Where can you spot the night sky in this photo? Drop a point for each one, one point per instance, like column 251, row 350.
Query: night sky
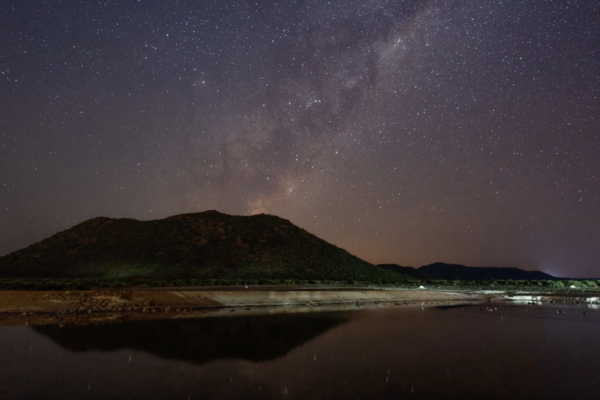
column 406, row 132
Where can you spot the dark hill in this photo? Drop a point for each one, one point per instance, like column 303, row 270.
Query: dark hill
column 461, row 272
column 201, row 245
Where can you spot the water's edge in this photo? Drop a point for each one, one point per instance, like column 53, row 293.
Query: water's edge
column 38, row 307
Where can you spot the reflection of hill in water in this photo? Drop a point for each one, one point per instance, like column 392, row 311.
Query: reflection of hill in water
column 256, row 338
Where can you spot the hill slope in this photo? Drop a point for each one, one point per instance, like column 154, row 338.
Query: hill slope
column 407, row 271
column 201, row 245
column 461, row 272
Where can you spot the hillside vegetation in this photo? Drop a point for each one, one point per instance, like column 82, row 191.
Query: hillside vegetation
column 207, row 245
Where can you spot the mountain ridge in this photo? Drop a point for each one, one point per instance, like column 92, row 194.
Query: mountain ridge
column 445, row 271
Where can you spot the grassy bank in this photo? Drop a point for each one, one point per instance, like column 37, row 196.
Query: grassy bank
column 99, row 283
column 94, row 283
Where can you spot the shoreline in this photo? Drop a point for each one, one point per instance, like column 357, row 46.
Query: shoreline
column 105, row 306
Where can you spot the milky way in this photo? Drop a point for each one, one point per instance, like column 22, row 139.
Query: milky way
column 403, row 131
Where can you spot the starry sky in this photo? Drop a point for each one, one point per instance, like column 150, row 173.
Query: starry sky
column 406, row 132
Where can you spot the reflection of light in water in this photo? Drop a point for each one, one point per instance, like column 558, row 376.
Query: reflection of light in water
column 525, row 299
column 589, row 302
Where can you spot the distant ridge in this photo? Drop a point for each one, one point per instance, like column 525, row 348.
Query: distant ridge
column 207, row 245
column 461, row 272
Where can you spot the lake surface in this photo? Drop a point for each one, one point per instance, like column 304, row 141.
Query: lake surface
column 401, row 352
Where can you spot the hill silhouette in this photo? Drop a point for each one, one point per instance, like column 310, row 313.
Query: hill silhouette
column 200, row 245
column 463, row 273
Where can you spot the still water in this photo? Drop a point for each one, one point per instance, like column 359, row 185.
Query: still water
column 401, row 352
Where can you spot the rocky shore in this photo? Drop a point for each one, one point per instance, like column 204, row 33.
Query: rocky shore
column 19, row 307
column 95, row 306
